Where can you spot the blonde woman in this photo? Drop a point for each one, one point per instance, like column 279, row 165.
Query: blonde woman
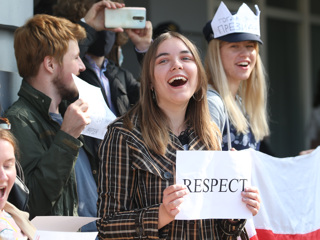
column 237, row 94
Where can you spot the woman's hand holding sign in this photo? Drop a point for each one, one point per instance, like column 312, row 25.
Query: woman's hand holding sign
column 171, row 201
column 251, row 197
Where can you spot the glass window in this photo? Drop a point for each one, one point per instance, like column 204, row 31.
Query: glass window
column 315, row 6
column 315, row 52
column 287, row 4
column 285, row 102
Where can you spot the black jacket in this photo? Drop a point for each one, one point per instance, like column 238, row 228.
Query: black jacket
column 124, row 87
column 48, row 154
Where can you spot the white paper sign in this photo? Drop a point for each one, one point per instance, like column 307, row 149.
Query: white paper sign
column 215, row 180
column 62, row 227
column 244, row 21
column 98, row 111
column 61, row 223
column 47, row 235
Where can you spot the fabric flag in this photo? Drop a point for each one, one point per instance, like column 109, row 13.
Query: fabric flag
column 290, row 193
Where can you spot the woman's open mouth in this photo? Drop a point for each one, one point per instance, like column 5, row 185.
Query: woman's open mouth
column 243, row 64
column 177, row 81
column 2, row 191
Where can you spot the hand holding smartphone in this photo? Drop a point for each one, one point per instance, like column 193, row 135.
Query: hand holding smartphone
column 126, row 17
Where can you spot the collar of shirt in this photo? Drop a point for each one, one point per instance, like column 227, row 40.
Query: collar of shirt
column 97, row 69
column 103, row 79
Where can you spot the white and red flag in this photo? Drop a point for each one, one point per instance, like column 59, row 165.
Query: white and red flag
column 290, row 192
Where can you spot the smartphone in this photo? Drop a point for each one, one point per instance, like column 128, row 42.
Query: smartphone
column 126, row 17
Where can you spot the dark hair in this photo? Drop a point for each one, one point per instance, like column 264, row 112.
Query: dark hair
column 73, row 10
column 165, row 27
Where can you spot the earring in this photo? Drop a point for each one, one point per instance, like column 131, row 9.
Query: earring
column 198, row 100
column 153, row 94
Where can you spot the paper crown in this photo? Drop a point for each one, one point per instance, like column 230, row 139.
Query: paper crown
column 244, row 21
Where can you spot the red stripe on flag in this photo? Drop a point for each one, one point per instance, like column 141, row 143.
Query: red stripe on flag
column 269, row 235
column 255, row 237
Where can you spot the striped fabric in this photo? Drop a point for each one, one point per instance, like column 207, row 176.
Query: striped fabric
column 131, row 183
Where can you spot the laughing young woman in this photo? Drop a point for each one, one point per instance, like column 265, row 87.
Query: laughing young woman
column 14, row 224
column 237, row 94
column 138, row 197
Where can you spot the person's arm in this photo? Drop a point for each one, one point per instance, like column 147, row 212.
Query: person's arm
column 48, row 154
column 120, row 217
column 93, row 22
column 47, row 169
column 141, row 39
column 216, row 109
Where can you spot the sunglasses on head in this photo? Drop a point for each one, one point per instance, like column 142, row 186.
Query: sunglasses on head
column 4, row 123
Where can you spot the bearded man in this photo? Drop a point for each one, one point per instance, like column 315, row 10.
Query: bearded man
column 46, row 124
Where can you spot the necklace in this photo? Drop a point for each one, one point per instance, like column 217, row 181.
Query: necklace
column 183, row 137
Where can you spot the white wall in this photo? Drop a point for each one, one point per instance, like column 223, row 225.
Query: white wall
column 13, row 13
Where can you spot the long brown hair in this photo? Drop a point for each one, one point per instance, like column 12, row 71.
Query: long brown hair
column 154, row 123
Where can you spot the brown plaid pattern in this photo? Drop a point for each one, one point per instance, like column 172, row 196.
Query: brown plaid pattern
column 131, row 183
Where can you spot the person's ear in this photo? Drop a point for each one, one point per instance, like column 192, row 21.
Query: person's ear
column 49, row 64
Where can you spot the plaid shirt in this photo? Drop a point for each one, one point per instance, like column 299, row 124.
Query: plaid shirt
column 131, row 183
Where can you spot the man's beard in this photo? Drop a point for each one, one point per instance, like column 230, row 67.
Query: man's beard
column 69, row 94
